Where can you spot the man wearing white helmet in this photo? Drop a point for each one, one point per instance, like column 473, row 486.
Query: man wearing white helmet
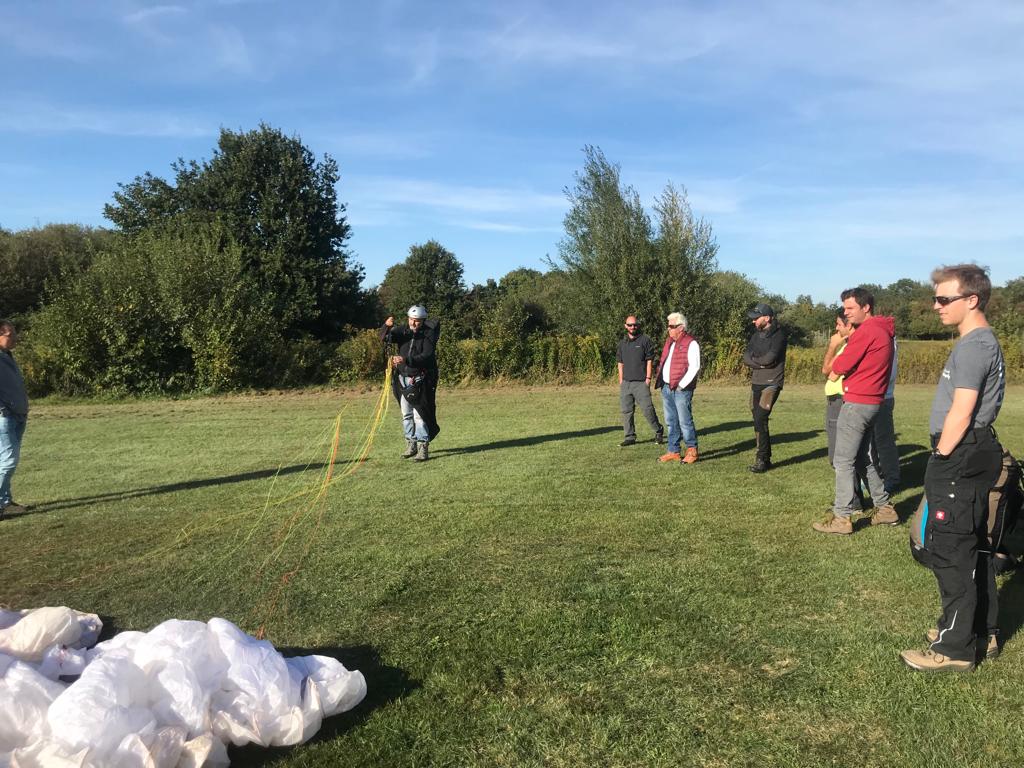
column 415, row 382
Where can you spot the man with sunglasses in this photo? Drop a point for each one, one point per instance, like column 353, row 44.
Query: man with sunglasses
column 635, row 356
column 865, row 366
column 13, row 416
column 964, row 465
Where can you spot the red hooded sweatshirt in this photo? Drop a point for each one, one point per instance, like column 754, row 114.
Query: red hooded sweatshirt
column 866, row 362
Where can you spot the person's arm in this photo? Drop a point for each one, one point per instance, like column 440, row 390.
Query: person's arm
column 775, row 353
column 649, row 352
column 748, row 355
column 692, row 365
column 834, row 343
column 856, row 348
column 958, row 419
column 620, row 373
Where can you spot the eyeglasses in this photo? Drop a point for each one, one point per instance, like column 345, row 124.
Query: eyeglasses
column 677, row 325
column 632, row 325
column 945, row 301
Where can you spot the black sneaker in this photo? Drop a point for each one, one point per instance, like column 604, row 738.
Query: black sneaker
column 627, row 442
column 659, row 438
column 760, row 466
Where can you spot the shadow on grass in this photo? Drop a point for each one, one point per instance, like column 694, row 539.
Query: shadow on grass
column 185, row 485
column 522, row 442
column 384, row 685
column 749, row 445
column 1011, row 605
column 727, row 426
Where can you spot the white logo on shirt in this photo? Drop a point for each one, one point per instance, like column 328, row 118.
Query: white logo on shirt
column 945, row 373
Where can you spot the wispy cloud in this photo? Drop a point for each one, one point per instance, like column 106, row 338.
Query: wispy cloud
column 494, row 226
column 452, row 197
column 35, row 118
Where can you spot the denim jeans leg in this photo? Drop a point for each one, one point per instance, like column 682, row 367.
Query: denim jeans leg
column 668, row 407
column 11, row 432
column 684, row 404
column 853, row 430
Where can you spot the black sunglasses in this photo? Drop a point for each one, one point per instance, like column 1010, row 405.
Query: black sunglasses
column 632, row 325
column 945, row 301
column 677, row 325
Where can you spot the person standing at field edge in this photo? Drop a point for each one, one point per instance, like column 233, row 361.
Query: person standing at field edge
column 635, row 356
column 964, row 464
column 865, row 365
column 13, row 416
column 766, row 357
column 677, row 379
column 415, row 382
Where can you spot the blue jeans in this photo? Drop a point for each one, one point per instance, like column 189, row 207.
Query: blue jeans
column 412, row 424
column 12, row 429
column 678, row 416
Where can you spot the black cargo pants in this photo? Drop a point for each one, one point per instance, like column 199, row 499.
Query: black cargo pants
column 762, row 400
column 957, row 489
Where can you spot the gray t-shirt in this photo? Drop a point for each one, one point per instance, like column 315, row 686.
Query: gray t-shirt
column 976, row 362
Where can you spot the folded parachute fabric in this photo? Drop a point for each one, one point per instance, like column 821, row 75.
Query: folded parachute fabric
column 174, row 696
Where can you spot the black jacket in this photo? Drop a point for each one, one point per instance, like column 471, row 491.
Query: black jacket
column 766, row 355
column 419, row 358
column 418, row 349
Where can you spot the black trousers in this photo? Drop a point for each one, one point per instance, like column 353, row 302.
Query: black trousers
column 957, row 490
column 762, row 400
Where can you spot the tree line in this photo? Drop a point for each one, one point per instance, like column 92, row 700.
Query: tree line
column 236, row 274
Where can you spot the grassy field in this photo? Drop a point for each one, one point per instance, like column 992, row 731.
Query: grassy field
column 534, row 595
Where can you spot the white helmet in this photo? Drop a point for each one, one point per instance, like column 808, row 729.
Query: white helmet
column 417, row 312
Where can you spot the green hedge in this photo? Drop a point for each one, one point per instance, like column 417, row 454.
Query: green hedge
column 581, row 359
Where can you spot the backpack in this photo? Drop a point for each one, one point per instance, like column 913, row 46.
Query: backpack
column 1005, row 503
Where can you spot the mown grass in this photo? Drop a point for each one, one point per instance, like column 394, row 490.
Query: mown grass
column 534, row 595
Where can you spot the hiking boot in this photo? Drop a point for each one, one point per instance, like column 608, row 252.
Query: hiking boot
column 885, row 516
column 930, row 661
column 410, row 449
column 659, row 437
column 665, row 458
column 991, row 649
column 690, row 457
column 760, row 465
column 627, row 442
column 836, row 524
column 422, row 453
column 14, row 509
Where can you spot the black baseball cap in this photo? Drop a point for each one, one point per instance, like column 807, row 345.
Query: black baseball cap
column 761, row 310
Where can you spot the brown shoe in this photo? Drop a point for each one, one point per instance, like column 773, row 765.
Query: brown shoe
column 885, row 516
column 665, row 458
column 840, row 525
column 991, row 650
column 690, row 457
column 930, row 661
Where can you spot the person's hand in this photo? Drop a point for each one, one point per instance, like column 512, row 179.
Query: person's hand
column 390, row 322
column 396, row 360
column 835, row 340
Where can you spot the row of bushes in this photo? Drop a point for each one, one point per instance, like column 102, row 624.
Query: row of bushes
column 534, row 359
column 581, row 359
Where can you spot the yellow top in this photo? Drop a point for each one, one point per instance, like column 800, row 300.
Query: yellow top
column 835, row 387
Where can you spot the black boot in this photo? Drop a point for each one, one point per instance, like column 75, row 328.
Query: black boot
column 762, row 462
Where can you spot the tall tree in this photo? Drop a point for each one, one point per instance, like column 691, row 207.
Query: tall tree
column 620, row 263
column 430, row 275
column 30, row 259
column 279, row 205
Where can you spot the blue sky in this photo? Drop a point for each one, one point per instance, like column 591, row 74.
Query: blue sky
column 828, row 143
